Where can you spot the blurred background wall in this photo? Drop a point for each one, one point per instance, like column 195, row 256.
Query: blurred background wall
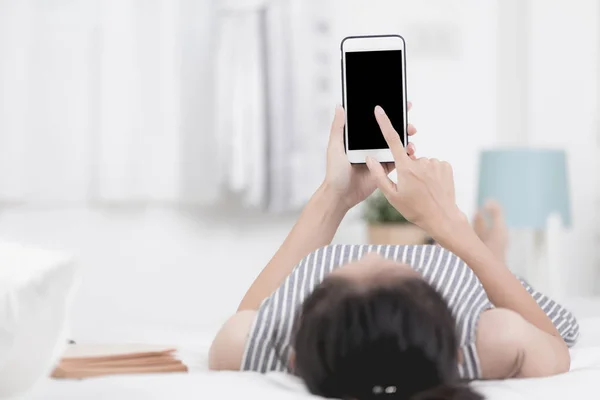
column 119, row 145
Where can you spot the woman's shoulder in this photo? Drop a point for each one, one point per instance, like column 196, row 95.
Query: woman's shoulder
column 227, row 349
column 502, row 337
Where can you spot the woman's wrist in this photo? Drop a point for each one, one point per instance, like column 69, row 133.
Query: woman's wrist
column 331, row 200
column 451, row 229
column 458, row 236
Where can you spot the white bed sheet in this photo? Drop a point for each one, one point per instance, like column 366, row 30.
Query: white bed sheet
column 581, row 383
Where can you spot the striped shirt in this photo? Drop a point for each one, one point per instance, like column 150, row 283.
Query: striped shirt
column 268, row 344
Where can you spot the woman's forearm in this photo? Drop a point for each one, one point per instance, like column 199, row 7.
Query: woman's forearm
column 315, row 228
column 502, row 287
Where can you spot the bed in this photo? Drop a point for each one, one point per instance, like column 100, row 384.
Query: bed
column 580, row 383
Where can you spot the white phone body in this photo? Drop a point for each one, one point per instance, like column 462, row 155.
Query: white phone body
column 374, row 44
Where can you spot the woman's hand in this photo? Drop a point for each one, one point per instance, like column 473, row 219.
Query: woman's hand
column 352, row 183
column 424, row 192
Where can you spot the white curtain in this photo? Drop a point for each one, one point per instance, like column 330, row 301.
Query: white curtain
column 270, row 75
column 162, row 101
column 241, row 99
column 106, row 101
column 254, row 84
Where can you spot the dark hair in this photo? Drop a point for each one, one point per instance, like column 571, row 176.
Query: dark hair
column 388, row 341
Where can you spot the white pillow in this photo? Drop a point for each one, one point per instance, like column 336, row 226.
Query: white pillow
column 35, row 289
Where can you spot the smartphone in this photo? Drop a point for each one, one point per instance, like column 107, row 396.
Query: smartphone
column 373, row 73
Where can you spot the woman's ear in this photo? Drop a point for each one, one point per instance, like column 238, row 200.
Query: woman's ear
column 460, row 357
column 292, row 360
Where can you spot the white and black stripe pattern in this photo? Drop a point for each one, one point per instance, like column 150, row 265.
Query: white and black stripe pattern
column 268, row 344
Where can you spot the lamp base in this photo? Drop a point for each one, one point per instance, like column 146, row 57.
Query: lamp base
column 542, row 267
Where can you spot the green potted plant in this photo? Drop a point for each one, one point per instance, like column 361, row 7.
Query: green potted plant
column 387, row 226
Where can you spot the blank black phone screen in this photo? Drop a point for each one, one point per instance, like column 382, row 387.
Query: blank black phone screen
column 373, row 78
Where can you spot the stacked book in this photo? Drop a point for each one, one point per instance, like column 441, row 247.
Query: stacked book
column 86, row 361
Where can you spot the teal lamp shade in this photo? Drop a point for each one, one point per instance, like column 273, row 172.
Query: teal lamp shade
column 530, row 184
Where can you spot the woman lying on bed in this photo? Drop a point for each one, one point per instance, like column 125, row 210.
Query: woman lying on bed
column 394, row 322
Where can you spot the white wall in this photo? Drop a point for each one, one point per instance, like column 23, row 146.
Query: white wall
column 160, row 267
column 157, row 266
column 563, row 103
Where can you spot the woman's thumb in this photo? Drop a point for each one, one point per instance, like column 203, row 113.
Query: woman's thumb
column 384, row 183
column 337, row 126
